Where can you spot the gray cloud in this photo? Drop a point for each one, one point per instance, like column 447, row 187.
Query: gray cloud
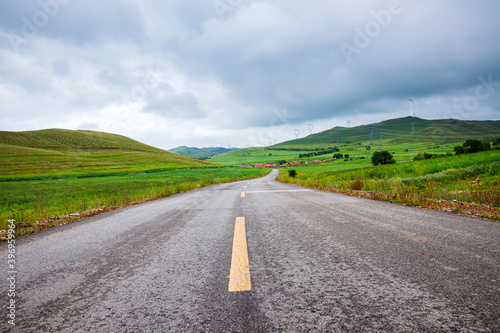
column 165, row 100
column 231, row 67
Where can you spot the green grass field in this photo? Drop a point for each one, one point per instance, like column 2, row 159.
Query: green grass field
column 357, row 151
column 58, row 172
column 29, row 200
column 470, row 178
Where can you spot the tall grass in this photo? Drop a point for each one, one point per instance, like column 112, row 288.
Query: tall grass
column 472, row 178
column 31, row 200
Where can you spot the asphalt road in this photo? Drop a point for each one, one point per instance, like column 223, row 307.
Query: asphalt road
column 318, row 262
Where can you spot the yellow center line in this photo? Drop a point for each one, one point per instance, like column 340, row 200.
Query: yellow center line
column 242, row 194
column 239, row 277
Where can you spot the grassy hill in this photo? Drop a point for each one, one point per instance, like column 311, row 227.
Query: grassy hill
column 406, row 136
column 200, row 152
column 58, row 151
column 402, row 130
column 54, row 176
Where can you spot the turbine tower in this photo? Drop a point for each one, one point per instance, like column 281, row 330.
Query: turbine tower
column 412, row 104
column 296, row 131
column 270, row 140
column 310, row 126
column 348, row 123
column 381, row 134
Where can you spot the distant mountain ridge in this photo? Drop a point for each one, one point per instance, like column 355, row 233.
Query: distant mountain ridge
column 201, row 152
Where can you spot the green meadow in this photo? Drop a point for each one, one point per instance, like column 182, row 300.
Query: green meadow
column 357, row 152
column 459, row 179
column 36, row 199
column 47, row 175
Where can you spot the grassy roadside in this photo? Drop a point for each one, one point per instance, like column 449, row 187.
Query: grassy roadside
column 467, row 184
column 38, row 203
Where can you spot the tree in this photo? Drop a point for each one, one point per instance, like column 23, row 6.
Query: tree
column 292, row 173
column 475, row 145
column 368, row 147
column 496, row 143
column 382, row 157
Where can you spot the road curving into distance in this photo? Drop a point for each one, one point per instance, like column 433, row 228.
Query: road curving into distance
column 259, row 256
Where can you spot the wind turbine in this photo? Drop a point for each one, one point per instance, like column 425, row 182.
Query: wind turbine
column 380, row 135
column 348, row 123
column 371, row 134
column 310, row 126
column 270, row 140
column 412, row 104
column 296, row 131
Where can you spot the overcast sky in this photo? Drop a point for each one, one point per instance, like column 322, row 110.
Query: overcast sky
column 218, row 72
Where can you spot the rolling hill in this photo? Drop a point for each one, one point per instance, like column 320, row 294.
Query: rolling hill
column 409, row 134
column 402, row 130
column 58, row 151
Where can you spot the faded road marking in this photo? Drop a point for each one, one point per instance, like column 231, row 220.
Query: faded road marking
column 242, row 194
column 239, row 278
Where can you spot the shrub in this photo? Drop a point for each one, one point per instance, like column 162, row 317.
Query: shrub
column 424, row 156
column 496, row 143
column 292, row 173
column 382, row 157
column 459, row 150
column 357, row 184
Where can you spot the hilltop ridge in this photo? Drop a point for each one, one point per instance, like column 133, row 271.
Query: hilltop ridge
column 404, row 130
column 75, row 139
column 71, row 151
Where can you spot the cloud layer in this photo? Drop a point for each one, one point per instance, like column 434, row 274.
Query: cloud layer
column 242, row 71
